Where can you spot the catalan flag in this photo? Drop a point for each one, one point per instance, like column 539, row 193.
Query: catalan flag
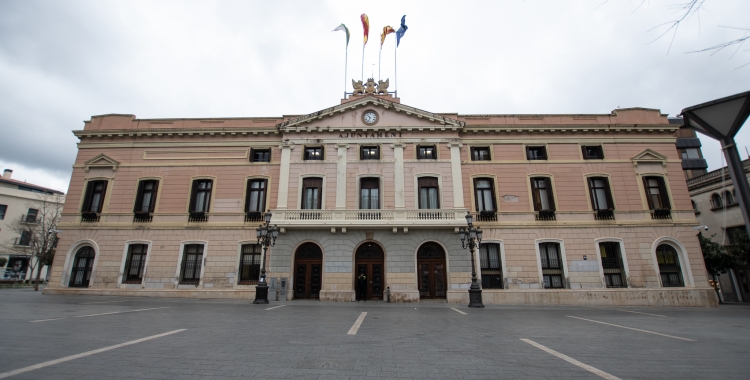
column 386, row 31
column 365, row 26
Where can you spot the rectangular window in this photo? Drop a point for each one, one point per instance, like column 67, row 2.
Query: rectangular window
column 312, row 189
column 93, row 202
column 541, row 191
column 192, row 261
column 31, row 215
column 145, row 200
column 200, row 201
column 314, row 153
column 249, row 264
column 255, row 198
column 25, row 238
column 552, row 273
column 614, row 275
column 690, row 153
column 491, row 268
column 369, row 153
column 369, row 194
column 601, row 198
column 426, row 152
column 656, row 192
column 135, row 263
column 260, row 155
column 480, row 153
column 429, row 196
column 536, row 153
column 592, row 152
column 484, row 194
column 3, row 209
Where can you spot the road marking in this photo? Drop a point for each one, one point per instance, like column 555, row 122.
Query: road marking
column 638, row 312
column 630, row 328
column 454, row 309
column 89, row 303
column 570, row 360
column 357, row 323
column 96, row 315
column 275, row 307
column 84, row 354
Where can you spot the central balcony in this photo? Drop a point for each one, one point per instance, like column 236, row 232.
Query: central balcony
column 370, row 218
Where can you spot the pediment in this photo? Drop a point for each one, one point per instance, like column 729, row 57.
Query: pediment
column 649, row 155
column 102, row 161
column 391, row 116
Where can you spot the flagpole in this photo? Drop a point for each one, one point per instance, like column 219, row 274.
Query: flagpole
column 395, row 67
column 363, row 63
column 346, row 63
column 379, row 55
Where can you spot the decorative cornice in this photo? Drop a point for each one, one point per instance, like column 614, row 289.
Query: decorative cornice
column 161, row 132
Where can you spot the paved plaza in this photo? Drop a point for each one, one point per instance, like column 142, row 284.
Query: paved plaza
column 88, row 337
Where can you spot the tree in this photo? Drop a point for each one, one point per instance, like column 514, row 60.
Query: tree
column 717, row 259
column 38, row 237
column 740, row 247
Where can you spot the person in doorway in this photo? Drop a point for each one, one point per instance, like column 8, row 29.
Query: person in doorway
column 361, row 287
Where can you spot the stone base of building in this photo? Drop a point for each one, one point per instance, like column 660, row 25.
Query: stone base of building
column 695, row 297
column 177, row 293
column 337, row 295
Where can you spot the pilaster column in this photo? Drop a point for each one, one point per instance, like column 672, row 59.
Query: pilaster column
column 286, row 160
column 341, row 176
column 398, row 170
column 457, row 178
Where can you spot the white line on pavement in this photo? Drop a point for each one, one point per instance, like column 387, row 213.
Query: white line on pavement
column 454, row 309
column 570, row 360
column 275, row 307
column 638, row 312
column 357, row 323
column 90, row 303
column 630, row 328
column 96, row 315
column 87, row 353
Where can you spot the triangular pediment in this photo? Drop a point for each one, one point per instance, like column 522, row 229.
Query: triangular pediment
column 649, row 155
column 101, row 161
column 349, row 116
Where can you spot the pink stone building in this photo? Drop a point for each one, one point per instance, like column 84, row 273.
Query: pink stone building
column 575, row 209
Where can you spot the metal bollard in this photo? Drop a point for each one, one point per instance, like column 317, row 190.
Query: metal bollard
column 388, row 294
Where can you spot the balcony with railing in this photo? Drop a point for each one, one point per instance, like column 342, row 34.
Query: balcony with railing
column 369, row 217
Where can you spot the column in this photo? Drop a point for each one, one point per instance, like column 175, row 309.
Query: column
column 458, row 181
column 286, row 157
column 341, row 176
column 398, row 170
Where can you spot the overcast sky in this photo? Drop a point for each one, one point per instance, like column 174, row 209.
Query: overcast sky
column 63, row 61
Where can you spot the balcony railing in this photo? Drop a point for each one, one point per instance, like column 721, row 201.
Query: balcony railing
column 197, row 217
column 90, row 217
column 370, row 217
column 253, row 216
column 661, row 213
column 545, row 215
column 604, row 215
column 142, row 217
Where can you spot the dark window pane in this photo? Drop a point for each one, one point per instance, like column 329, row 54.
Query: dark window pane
column 313, row 153
column 480, row 154
column 536, row 153
column 260, row 155
column 426, row 152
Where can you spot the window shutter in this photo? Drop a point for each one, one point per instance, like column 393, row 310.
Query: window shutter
column 139, row 196
column 608, row 191
column 535, row 195
column 104, row 193
column 264, row 193
column 193, row 195
column 550, row 197
column 663, row 193
column 583, row 150
column 152, row 206
column 648, row 196
column 87, row 197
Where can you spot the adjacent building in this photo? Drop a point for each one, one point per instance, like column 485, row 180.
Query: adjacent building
column 576, row 209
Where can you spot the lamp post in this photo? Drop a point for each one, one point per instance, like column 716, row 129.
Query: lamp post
column 722, row 119
column 266, row 235
column 471, row 237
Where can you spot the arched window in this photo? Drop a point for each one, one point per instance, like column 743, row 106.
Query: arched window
column 83, row 263
column 716, row 201
column 669, row 266
column 728, row 198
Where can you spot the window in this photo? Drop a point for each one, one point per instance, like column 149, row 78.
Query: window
column 656, row 192
column 255, row 197
column 592, row 152
column 93, row 202
column 135, row 262
column 491, row 269
column 3, row 209
column 145, row 199
column 716, row 201
column 32, row 213
column 536, row 153
column 541, row 191
column 426, row 152
column 369, row 194
column 314, row 153
column 690, row 153
column 369, row 153
column 484, row 194
column 260, row 155
column 428, row 193
column 612, row 264
column 312, row 189
column 200, row 201
column 601, row 197
column 25, row 238
column 249, row 264
column 669, row 266
column 552, row 274
column 192, row 261
column 480, row 153
column 728, row 199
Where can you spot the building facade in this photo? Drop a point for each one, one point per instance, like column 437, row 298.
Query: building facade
column 575, row 209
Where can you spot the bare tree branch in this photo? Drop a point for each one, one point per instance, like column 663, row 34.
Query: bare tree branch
column 686, row 10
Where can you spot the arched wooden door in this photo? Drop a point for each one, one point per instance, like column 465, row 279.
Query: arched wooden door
column 369, row 259
column 83, row 263
column 308, row 271
column 431, row 271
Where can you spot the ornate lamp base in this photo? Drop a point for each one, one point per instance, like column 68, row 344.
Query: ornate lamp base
column 475, row 295
column 261, row 294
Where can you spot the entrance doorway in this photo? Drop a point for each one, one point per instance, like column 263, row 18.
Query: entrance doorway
column 369, row 260
column 308, row 271
column 431, row 271
column 83, row 263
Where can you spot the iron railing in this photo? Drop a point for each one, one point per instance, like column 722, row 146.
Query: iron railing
column 90, row 217
column 545, row 215
column 253, row 216
column 661, row 213
column 604, row 215
column 486, row 216
column 142, row 217
column 197, row 217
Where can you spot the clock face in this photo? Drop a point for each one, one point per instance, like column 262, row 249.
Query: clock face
column 370, row 117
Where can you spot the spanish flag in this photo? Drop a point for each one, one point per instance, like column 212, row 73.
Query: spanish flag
column 365, row 26
column 386, row 31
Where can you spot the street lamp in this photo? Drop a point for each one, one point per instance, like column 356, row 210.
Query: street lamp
column 471, row 237
column 266, row 235
column 722, row 119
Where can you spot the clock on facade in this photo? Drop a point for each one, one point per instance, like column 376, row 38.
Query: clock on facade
column 370, row 117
